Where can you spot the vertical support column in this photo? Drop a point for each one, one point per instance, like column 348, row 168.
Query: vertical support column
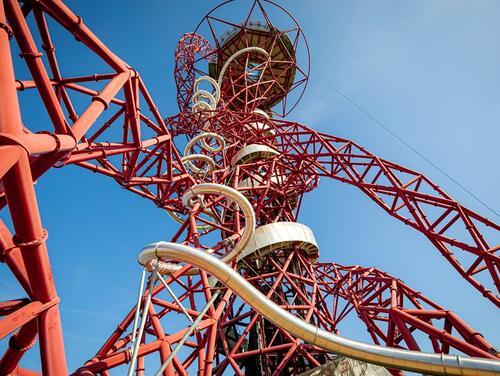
column 30, row 236
column 19, row 343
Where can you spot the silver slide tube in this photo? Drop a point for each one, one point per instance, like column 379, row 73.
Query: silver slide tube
column 203, row 136
column 205, row 95
column 232, row 194
column 238, row 198
column 208, row 160
column 212, row 82
column 438, row 364
column 235, row 55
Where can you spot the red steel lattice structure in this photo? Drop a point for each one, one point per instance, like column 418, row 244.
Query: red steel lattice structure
column 115, row 137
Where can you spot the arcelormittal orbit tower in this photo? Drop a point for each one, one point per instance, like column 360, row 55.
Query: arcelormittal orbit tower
column 238, row 288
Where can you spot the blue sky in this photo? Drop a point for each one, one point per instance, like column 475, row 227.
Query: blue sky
column 428, row 69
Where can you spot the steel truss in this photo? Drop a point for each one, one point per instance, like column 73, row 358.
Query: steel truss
column 115, row 137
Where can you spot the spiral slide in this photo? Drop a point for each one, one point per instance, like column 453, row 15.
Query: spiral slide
column 429, row 363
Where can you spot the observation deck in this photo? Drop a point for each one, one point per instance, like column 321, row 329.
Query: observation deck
column 270, row 79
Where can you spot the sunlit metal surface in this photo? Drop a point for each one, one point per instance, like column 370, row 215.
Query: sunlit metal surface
column 439, row 364
column 253, row 152
column 281, row 235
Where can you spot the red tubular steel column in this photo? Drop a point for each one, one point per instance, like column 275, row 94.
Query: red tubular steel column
column 19, row 343
column 30, row 236
column 34, row 62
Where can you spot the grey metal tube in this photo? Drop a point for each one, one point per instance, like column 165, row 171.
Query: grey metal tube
column 438, row 364
column 202, row 157
column 238, row 198
column 172, row 294
column 138, row 307
column 235, row 55
column 203, row 136
column 188, row 333
column 137, row 343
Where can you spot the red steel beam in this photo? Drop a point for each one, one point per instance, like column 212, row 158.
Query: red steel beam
column 30, row 235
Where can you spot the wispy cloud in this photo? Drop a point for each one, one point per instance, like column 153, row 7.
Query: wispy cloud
column 96, row 314
column 82, row 338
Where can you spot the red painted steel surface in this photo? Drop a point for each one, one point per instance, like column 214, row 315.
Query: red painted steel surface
column 121, row 134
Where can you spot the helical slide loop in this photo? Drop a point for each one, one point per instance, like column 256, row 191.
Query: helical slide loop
column 203, row 94
column 235, row 55
column 197, row 99
column 209, row 163
column 199, row 95
column 188, row 157
column 203, row 136
column 178, row 219
column 208, row 167
column 238, row 200
column 200, row 105
column 214, row 84
column 260, row 112
column 384, row 356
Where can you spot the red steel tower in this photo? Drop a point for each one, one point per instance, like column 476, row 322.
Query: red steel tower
column 238, row 289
